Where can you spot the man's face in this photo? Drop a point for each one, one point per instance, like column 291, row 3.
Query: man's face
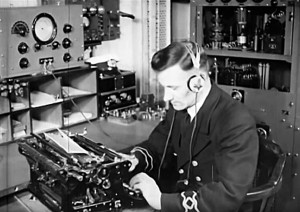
column 174, row 80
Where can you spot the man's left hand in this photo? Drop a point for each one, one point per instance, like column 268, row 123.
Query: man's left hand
column 149, row 189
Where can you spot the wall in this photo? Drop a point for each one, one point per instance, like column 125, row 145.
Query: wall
column 19, row 3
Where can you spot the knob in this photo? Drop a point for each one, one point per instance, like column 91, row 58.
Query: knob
column 67, row 57
column 84, row 10
column 55, row 45
column 237, row 95
column 66, row 43
column 24, row 63
column 21, row 30
column 274, row 2
column 67, row 28
column 101, row 10
column 93, row 10
column 23, row 48
column 37, row 47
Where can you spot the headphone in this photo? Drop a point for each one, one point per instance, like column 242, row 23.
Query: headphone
column 194, row 81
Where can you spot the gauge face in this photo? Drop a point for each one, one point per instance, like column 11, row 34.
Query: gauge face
column 20, row 28
column 44, row 28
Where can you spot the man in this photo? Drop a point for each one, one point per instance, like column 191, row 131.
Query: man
column 213, row 137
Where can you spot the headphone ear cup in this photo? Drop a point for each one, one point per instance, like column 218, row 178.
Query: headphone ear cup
column 193, row 83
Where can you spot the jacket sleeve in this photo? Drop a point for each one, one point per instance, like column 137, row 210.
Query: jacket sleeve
column 234, row 170
column 149, row 152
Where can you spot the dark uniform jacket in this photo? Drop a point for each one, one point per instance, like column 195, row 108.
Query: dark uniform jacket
column 216, row 163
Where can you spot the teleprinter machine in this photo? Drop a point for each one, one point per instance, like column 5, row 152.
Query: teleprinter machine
column 73, row 173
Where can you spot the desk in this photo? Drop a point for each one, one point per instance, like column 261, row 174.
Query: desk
column 114, row 135
column 117, row 135
column 25, row 202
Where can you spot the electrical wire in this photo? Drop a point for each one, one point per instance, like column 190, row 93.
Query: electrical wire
column 98, row 129
column 191, row 140
column 166, row 146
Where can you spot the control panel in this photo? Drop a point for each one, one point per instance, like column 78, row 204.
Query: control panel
column 116, row 90
column 36, row 39
column 101, row 20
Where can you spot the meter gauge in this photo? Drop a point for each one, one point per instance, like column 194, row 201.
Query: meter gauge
column 86, row 21
column 44, row 28
column 20, row 28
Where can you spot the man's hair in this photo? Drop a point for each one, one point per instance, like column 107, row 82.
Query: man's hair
column 178, row 53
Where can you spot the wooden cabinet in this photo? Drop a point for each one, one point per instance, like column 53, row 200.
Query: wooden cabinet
column 36, row 104
column 116, row 90
column 46, row 102
column 254, row 54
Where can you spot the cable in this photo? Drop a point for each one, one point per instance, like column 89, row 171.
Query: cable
column 166, row 146
column 99, row 129
column 191, row 140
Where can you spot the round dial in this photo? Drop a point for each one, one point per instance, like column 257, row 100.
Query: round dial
column 44, row 28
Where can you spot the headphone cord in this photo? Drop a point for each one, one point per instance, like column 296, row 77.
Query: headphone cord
column 166, row 146
column 191, row 140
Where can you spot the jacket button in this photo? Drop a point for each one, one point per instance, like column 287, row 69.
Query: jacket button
column 198, row 179
column 181, row 171
column 194, row 163
column 175, row 154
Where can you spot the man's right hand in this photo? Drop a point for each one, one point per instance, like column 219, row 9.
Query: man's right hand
column 134, row 161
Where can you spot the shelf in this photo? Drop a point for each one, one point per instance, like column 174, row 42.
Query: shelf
column 21, row 124
column 4, row 105
column 5, row 130
column 247, row 54
column 46, row 118
column 79, row 110
column 18, row 94
column 109, row 82
column 79, row 83
column 45, row 91
column 117, row 91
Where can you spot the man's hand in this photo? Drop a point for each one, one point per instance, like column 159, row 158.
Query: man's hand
column 149, row 189
column 134, row 161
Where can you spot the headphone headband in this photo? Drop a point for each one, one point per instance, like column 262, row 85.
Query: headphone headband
column 195, row 59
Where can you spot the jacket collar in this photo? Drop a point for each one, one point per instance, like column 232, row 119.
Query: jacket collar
column 209, row 105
